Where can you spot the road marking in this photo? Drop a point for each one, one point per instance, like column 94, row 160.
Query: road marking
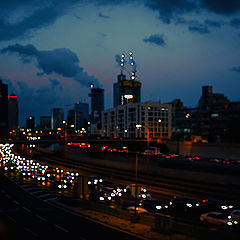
column 16, row 202
column 42, row 218
column 26, row 209
column 61, row 228
column 12, row 219
column 30, row 231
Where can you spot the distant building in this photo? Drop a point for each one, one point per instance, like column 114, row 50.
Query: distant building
column 57, row 117
column 30, row 122
column 215, row 118
column 126, row 91
column 45, row 122
column 97, row 104
column 12, row 112
column 3, row 110
column 81, row 116
column 138, row 120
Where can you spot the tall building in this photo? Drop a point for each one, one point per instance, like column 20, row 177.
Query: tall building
column 138, row 120
column 126, row 91
column 97, row 103
column 3, row 110
column 30, row 122
column 81, row 115
column 12, row 111
column 45, row 122
column 57, row 117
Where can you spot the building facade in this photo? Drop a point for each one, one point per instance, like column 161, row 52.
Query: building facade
column 45, row 122
column 97, row 104
column 138, row 120
column 3, row 110
column 12, row 112
column 126, row 91
column 214, row 119
column 30, row 122
column 57, row 117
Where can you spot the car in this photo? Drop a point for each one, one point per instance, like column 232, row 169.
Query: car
column 235, row 215
column 101, row 196
column 153, row 205
column 139, row 210
column 141, row 191
column 216, row 218
column 94, row 181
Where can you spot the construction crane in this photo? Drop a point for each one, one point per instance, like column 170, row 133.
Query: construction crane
column 132, row 65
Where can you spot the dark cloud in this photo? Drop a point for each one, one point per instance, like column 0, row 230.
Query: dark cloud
column 168, row 9
column 156, row 39
column 221, row 6
column 197, row 27
column 103, row 16
column 36, row 101
column 235, row 69
column 61, row 61
column 45, row 13
column 212, row 23
column 235, row 22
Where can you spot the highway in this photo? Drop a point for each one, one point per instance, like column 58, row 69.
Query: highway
column 160, row 185
column 31, row 204
column 23, row 215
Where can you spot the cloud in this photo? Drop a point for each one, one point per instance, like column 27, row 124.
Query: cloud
column 197, row 27
column 225, row 7
column 36, row 101
column 61, row 61
column 212, row 23
column 235, row 69
column 235, row 22
column 103, row 16
column 118, row 59
column 156, row 39
column 168, row 9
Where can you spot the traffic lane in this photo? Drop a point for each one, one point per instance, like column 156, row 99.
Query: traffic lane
column 70, row 224
column 25, row 220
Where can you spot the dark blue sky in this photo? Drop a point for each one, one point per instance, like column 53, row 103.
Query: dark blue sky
column 51, row 50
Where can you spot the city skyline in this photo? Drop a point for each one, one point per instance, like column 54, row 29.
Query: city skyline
column 50, row 53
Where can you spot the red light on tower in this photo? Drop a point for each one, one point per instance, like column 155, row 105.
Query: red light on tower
column 12, row 96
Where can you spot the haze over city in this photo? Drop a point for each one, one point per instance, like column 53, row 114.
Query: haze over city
column 51, row 51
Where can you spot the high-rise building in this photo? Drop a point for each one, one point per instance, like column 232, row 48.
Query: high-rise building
column 45, row 122
column 3, row 110
column 126, row 91
column 97, row 103
column 81, row 116
column 138, row 120
column 57, row 117
column 12, row 111
column 30, row 122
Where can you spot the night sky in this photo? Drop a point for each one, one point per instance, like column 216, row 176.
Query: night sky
column 51, row 50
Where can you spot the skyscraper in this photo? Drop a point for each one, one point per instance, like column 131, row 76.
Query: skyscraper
column 81, row 115
column 12, row 111
column 126, row 91
column 3, row 110
column 30, row 122
column 97, row 103
column 45, row 122
column 57, row 117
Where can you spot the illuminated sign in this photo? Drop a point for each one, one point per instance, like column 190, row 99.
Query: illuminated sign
column 129, row 96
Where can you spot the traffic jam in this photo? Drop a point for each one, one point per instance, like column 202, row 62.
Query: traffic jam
column 133, row 198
